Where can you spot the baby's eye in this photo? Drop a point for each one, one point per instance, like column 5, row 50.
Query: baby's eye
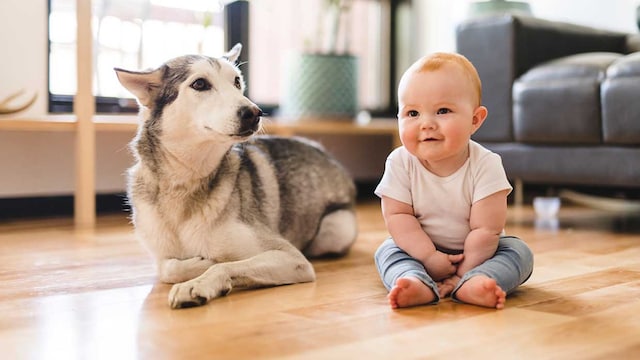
column 443, row 111
column 412, row 113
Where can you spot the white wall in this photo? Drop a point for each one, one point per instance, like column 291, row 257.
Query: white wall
column 42, row 163
column 615, row 15
column 23, row 38
column 439, row 18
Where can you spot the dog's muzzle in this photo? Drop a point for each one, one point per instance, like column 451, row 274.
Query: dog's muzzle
column 250, row 117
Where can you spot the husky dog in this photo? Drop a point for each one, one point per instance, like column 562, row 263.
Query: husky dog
column 221, row 208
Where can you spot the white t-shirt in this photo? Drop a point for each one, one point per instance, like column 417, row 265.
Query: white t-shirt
column 442, row 205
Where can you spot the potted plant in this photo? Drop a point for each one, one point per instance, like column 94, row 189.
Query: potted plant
column 498, row 6
column 321, row 82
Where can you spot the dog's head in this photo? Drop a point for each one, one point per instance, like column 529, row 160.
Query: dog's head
column 195, row 96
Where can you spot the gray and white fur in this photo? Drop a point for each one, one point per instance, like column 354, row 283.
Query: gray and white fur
column 218, row 206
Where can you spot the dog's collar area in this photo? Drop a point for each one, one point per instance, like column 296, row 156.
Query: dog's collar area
column 241, row 135
column 244, row 134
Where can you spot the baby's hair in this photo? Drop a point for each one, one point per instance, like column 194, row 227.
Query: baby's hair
column 436, row 60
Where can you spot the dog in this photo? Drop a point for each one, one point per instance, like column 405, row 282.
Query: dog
column 218, row 205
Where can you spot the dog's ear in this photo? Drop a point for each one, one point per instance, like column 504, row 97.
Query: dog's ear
column 233, row 54
column 142, row 85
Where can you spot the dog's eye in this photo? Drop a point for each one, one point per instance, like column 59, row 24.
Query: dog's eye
column 237, row 83
column 201, row 84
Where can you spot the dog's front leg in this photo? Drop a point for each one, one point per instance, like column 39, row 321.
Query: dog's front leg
column 173, row 271
column 270, row 268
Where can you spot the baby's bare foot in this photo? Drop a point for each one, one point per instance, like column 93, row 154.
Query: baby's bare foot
column 483, row 291
column 446, row 286
column 410, row 291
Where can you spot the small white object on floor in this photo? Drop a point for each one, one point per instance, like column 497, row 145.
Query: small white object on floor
column 546, row 207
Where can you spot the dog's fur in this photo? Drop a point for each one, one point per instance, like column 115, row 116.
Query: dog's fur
column 221, row 208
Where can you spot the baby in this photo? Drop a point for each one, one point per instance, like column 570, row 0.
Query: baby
column 444, row 196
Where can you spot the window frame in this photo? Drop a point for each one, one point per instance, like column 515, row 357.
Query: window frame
column 236, row 25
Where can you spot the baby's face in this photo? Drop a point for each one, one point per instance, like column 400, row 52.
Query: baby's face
column 437, row 115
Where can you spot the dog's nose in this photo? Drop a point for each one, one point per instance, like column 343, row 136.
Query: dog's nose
column 249, row 117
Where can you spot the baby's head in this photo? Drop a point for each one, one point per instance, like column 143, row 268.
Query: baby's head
column 454, row 62
column 439, row 108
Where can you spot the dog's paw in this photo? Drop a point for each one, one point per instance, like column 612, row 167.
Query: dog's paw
column 196, row 292
column 173, row 271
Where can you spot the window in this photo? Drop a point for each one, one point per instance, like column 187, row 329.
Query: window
column 141, row 34
column 132, row 34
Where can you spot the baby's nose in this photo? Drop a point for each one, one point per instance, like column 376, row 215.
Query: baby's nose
column 427, row 122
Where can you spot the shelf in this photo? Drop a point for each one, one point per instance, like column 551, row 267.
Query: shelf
column 129, row 123
column 318, row 126
column 48, row 123
column 67, row 122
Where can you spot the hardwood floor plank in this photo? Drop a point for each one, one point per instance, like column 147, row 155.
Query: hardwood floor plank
column 594, row 300
column 445, row 339
column 69, row 294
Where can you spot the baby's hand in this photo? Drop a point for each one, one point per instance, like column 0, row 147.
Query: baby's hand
column 441, row 266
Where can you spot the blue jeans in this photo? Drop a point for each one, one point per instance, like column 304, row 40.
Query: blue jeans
column 510, row 266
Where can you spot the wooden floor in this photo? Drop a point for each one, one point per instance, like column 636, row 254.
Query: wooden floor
column 67, row 294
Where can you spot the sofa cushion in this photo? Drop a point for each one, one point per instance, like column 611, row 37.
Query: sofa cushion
column 559, row 101
column 620, row 93
column 580, row 165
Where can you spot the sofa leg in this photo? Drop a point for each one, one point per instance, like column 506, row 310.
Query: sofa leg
column 518, row 192
column 601, row 202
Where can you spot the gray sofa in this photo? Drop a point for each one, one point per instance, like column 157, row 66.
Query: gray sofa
column 563, row 99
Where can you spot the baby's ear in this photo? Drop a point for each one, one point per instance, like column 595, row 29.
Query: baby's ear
column 479, row 115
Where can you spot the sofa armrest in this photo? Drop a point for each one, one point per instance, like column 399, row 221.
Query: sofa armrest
column 504, row 47
column 633, row 43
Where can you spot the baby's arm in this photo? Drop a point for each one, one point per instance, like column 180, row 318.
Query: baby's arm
column 409, row 236
column 487, row 220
